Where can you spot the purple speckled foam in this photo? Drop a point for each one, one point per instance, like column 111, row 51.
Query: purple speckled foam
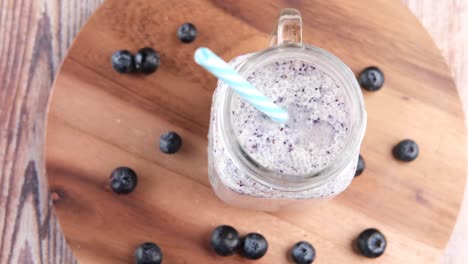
column 318, row 124
column 313, row 137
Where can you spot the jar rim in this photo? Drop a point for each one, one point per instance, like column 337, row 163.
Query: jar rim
column 331, row 65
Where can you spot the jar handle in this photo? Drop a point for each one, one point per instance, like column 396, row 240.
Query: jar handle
column 289, row 28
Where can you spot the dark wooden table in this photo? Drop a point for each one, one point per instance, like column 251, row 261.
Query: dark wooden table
column 34, row 37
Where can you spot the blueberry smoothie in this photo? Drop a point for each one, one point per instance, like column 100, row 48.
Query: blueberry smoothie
column 317, row 127
column 314, row 136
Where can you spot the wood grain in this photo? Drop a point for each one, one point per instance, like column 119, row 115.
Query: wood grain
column 445, row 20
column 33, row 43
column 100, row 120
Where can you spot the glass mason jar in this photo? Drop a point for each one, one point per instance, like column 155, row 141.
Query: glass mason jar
column 237, row 179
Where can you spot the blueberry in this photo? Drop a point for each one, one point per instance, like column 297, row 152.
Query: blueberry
column 225, row 240
column 406, row 150
column 303, row 253
column 147, row 60
column 123, row 61
column 361, row 165
column 371, row 78
column 148, row 253
column 371, row 243
column 170, row 142
column 254, row 246
column 123, row 180
column 187, row 32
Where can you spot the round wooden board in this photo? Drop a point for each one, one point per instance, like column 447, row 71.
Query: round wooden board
column 99, row 120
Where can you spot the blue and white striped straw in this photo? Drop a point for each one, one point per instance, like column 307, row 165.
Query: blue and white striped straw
column 226, row 73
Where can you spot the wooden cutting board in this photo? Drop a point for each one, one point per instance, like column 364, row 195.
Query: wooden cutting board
column 99, row 120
